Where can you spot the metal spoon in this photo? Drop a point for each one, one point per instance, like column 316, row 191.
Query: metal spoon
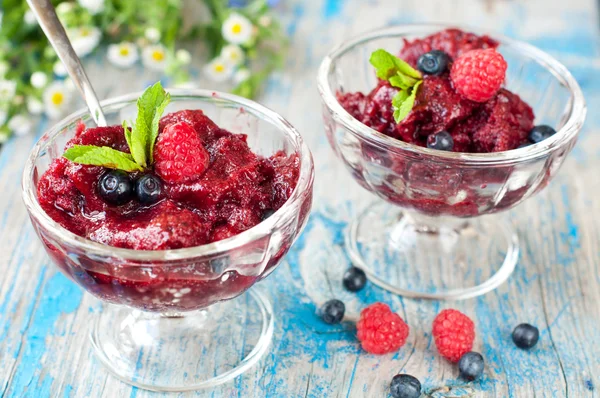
column 55, row 32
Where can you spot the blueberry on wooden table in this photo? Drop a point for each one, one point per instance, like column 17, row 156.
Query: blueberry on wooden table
column 354, row 279
column 525, row 336
column 470, row 366
column 332, row 311
column 405, row 386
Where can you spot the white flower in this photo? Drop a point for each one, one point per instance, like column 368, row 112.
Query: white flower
column 20, row 125
column 155, row 57
column 152, row 34
column 218, row 70
column 237, row 29
column 69, row 85
column 241, row 75
column 3, row 69
column 93, row 6
column 8, row 88
column 34, row 106
column 3, row 116
column 29, row 18
column 183, row 56
column 39, row 79
column 85, row 39
column 64, row 7
column 233, row 54
column 59, row 69
column 56, row 99
column 265, row 21
column 123, row 55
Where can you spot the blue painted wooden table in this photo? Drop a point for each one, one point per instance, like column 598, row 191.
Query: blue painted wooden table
column 44, row 318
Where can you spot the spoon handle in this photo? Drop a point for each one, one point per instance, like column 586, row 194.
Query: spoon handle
column 54, row 30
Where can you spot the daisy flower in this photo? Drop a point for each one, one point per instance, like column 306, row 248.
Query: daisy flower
column 85, row 39
column 93, row 6
column 152, row 34
column 39, row 79
column 233, row 54
column 3, row 116
column 59, row 69
column 34, row 106
column 237, row 29
column 8, row 88
column 20, row 125
column 123, row 55
column 265, row 21
column 155, row 57
column 241, row 75
column 183, row 56
column 56, row 99
column 29, row 18
column 218, row 70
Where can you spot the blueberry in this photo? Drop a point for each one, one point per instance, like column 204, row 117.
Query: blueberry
column 540, row 133
column 525, row 336
column 470, row 365
column 433, row 63
column 441, row 141
column 405, row 386
column 115, row 187
column 332, row 311
column 267, row 213
column 354, row 279
column 524, row 145
column 148, row 189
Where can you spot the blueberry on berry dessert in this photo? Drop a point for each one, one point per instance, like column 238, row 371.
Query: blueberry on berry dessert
column 540, row 133
column 163, row 182
column 525, row 336
column 354, row 279
column 433, row 63
column 148, row 189
column 441, row 141
column 450, row 81
column 405, row 386
column 470, row 366
column 115, row 187
column 332, row 311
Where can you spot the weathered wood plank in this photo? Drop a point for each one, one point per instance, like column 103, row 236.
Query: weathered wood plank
column 44, row 318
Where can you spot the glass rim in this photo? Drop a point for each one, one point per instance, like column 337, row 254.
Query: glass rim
column 264, row 228
column 565, row 134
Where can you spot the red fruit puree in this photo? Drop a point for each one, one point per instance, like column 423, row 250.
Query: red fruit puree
column 500, row 124
column 236, row 191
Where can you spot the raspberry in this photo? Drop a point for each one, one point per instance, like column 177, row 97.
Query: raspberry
column 380, row 330
column 478, row 74
column 179, row 154
column 453, row 333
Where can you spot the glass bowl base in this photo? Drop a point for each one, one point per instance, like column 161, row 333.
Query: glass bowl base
column 429, row 257
column 184, row 351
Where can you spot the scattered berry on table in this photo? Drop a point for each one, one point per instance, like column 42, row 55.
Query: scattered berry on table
column 354, row 279
column 405, row 386
column 540, row 133
column 470, row 366
column 453, row 333
column 434, row 62
column 525, row 336
column 441, row 141
column 148, row 189
column 332, row 311
column 179, row 154
column 115, row 187
column 478, row 74
column 380, row 330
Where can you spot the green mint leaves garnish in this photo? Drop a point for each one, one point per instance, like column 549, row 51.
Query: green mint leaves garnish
column 140, row 138
column 401, row 75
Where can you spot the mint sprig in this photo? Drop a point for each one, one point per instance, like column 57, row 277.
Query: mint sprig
column 140, row 138
column 401, row 75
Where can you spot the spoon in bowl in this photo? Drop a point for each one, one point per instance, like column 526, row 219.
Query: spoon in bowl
column 57, row 36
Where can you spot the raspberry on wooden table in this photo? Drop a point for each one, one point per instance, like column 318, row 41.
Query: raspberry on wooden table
column 453, row 333
column 478, row 74
column 380, row 330
column 179, row 154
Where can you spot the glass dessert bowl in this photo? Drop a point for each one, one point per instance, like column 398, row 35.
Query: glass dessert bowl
column 433, row 238
column 170, row 323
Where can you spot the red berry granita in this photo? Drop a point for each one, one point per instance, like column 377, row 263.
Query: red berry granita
column 187, row 183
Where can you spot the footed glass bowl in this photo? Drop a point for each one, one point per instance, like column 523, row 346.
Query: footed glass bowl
column 430, row 240
column 171, row 324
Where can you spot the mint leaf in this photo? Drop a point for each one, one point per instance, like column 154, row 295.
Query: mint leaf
column 402, row 81
column 403, row 102
column 150, row 106
column 387, row 65
column 127, row 133
column 101, row 156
